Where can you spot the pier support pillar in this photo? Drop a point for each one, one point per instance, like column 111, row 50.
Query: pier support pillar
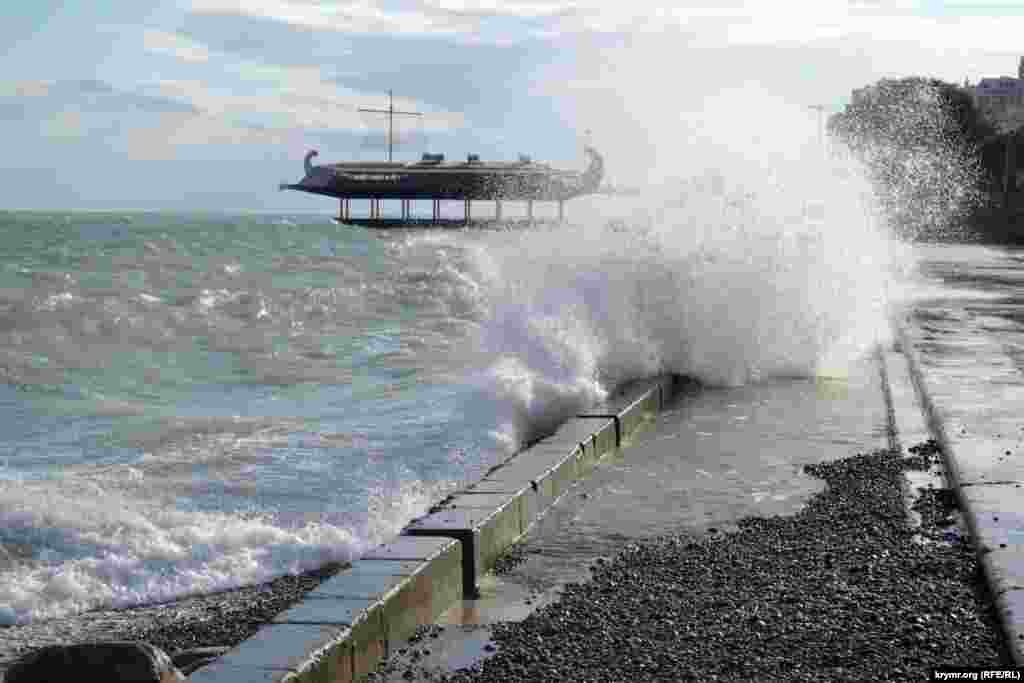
column 529, row 210
column 468, row 210
column 437, row 208
column 561, row 210
column 497, row 209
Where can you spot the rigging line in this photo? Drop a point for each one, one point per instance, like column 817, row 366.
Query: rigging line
column 391, row 111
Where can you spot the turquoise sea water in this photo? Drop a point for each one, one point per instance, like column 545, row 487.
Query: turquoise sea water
column 266, row 389
column 191, row 402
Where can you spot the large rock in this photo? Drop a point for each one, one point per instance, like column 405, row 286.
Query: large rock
column 124, row 662
column 188, row 661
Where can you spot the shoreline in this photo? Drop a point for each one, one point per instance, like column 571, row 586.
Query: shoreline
column 848, row 574
column 216, row 621
column 197, row 630
column 846, row 589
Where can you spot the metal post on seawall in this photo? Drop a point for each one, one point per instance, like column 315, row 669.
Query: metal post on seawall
column 561, row 210
column 497, row 209
column 529, row 210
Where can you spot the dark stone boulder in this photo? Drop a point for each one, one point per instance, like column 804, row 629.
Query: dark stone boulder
column 196, row 658
column 125, row 662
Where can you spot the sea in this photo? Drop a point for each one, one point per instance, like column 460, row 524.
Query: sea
column 196, row 401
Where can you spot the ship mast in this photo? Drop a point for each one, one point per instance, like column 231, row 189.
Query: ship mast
column 391, row 111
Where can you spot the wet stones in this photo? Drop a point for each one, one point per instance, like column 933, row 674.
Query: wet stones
column 190, row 660
column 126, row 662
column 841, row 591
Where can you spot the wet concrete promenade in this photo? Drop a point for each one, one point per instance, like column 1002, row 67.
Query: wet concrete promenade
column 965, row 342
column 714, row 457
column 952, row 371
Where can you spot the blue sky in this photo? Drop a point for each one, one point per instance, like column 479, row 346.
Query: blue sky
column 208, row 104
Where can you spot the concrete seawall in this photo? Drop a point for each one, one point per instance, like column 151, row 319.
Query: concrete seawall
column 988, row 490
column 341, row 630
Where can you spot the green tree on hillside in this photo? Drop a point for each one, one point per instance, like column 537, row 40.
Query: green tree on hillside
column 920, row 141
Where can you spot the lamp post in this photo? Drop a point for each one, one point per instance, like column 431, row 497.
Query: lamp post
column 820, row 108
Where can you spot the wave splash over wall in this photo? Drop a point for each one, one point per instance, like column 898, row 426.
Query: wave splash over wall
column 747, row 253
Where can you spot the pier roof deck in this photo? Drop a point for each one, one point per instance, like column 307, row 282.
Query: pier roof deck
column 435, row 178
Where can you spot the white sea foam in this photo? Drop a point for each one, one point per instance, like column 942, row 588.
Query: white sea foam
column 772, row 263
column 97, row 546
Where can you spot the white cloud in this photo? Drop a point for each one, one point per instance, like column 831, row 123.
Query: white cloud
column 245, row 92
column 507, row 8
column 179, row 136
column 305, row 103
column 740, row 22
column 63, row 125
column 25, row 89
column 361, row 16
column 291, row 97
column 175, row 45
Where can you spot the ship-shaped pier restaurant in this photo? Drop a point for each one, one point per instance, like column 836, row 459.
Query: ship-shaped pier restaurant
column 436, row 179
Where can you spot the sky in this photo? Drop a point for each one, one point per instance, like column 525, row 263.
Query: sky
column 209, row 104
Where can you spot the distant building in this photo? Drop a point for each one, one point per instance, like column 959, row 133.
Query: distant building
column 1001, row 100
column 859, row 96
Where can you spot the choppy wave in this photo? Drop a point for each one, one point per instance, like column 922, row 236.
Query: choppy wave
column 82, row 544
column 212, row 404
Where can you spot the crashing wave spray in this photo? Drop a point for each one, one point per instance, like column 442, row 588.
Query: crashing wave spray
column 749, row 254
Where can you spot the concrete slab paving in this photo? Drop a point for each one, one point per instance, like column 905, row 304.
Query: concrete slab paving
column 364, row 580
column 603, row 433
column 325, row 609
column 223, row 672
column 910, row 424
column 713, row 457
column 483, row 532
column 1010, row 605
column 408, row 548
column 983, row 458
column 279, row 650
column 340, row 631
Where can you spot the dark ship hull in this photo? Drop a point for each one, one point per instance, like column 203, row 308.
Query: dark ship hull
column 433, row 178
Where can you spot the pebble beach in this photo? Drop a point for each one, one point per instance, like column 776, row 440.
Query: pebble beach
column 850, row 588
